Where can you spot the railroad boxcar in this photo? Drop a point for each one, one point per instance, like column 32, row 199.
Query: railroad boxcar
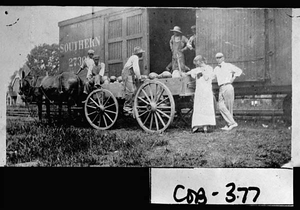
column 259, row 41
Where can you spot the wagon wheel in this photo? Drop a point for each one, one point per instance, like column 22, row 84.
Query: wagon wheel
column 154, row 106
column 101, row 109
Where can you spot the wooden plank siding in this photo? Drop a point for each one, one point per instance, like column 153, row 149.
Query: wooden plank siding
column 239, row 34
column 125, row 31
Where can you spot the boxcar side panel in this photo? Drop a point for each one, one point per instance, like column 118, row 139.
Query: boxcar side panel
column 281, row 65
column 238, row 33
column 76, row 39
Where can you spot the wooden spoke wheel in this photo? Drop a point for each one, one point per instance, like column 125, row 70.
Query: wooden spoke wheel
column 101, row 109
column 154, row 106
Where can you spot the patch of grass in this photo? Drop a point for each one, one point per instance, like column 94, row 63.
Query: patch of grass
column 71, row 146
column 249, row 145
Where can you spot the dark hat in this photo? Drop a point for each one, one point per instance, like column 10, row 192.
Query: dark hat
column 137, row 50
column 176, row 29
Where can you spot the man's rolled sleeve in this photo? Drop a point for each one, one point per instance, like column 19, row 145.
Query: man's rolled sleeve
column 136, row 67
column 102, row 71
column 236, row 70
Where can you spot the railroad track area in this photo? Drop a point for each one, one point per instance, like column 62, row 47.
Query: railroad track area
column 31, row 112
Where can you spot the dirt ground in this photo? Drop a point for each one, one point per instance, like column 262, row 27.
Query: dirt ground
column 254, row 143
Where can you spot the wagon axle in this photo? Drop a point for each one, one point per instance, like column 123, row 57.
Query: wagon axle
column 101, row 108
column 153, row 106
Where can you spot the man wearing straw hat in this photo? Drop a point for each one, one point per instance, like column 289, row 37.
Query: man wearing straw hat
column 178, row 44
column 131, row 77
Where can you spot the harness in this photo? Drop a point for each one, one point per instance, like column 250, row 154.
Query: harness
column 42, row 89
column 27, row 102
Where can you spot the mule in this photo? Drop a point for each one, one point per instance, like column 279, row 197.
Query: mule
column 65, row 87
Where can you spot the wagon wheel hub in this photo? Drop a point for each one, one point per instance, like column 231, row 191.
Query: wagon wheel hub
column 101, row 108
column 153, row 106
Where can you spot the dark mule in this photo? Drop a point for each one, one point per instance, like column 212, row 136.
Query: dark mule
column 65, row 87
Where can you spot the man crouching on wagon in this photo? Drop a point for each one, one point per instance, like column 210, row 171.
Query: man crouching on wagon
column 94, row 75
column 131, row 76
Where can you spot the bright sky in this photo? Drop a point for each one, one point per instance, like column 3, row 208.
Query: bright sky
column 34, row 25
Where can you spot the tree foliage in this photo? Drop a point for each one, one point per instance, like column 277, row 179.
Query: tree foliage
column 12, row 77
column 44, row 58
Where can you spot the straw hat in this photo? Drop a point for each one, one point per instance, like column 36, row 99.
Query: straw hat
column 176, row 29
column 137, row 50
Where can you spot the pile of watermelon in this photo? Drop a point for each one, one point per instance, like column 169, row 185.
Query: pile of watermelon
column 151, row 76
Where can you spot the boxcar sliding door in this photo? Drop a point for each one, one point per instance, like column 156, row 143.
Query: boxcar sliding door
column 123, row 31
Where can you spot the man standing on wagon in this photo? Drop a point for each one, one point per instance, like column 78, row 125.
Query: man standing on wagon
column 192, row 40
column 178, row 44
column 225, row 73
column 131, row 77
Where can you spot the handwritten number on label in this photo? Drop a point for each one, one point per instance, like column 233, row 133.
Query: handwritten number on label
column 230, row 193
column 257, row 192
column 232, row 196
column 199, row 197
column 245, row 189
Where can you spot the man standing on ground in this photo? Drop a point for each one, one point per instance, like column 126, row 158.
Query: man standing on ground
column 131, row 76
column 225, row 73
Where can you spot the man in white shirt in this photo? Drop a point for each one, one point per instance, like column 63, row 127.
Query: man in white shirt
column 131, row 75
column 94, row 75
column 88, row 62
column 225, row 73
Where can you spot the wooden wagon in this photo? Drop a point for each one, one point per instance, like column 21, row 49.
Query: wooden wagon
column 155, row 103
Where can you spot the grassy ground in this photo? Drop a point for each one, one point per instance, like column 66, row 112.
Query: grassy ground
column 249, row 145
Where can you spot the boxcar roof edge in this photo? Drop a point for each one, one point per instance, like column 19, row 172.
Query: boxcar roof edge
column 108, row 11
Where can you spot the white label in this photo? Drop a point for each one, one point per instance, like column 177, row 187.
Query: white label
column 222, row 186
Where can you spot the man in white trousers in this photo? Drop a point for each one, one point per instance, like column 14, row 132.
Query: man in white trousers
column 225, row 73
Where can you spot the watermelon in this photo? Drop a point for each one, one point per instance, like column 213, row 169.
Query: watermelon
column 104, row 78
column 176, row 73
column 119, row 79
column 113, row 78
column 144, row 77
column 166, row 74
column 152, row 75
